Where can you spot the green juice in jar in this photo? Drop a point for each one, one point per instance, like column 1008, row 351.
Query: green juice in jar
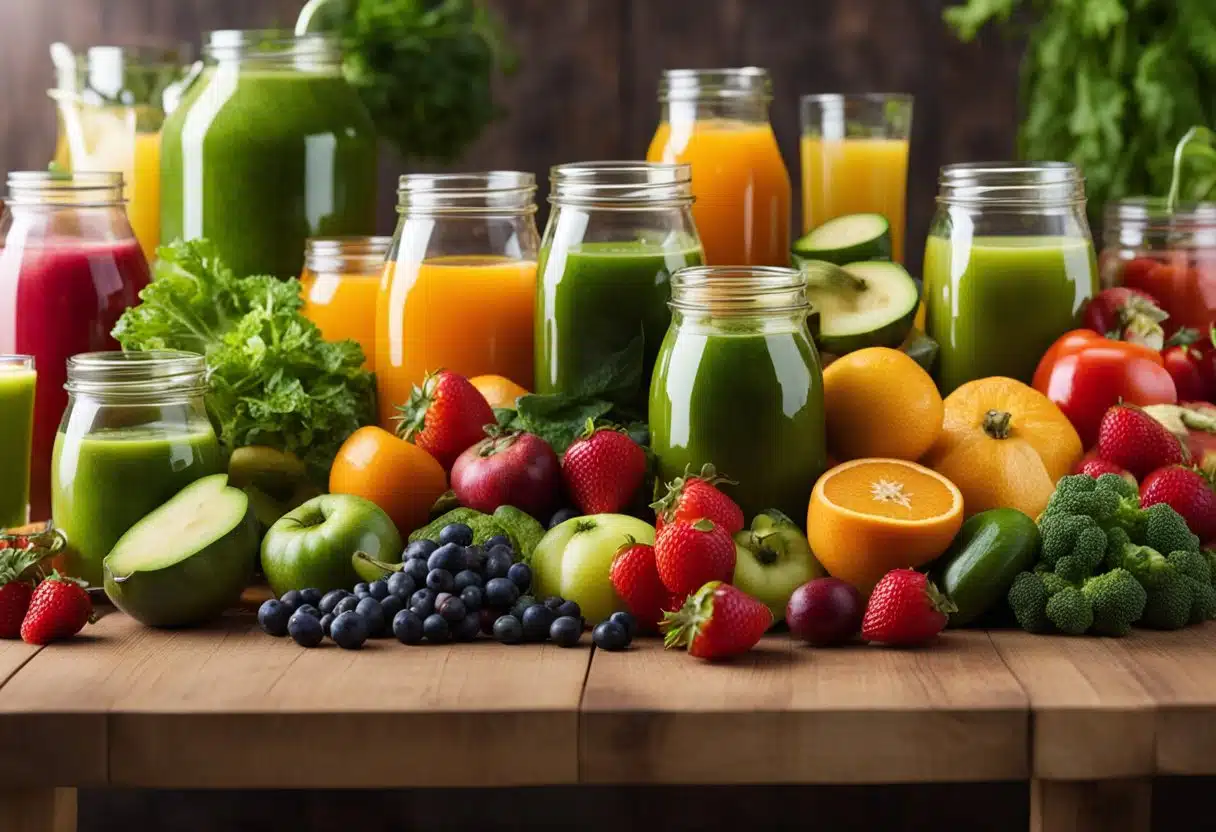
column 17, row 386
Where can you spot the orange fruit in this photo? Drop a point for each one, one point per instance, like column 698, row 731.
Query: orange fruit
column 499, row 391
column 880, row 403
column 401, row 478
column 870, row 516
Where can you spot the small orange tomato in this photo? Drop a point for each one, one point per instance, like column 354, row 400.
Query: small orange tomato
column 499, row 391
column 401, row 478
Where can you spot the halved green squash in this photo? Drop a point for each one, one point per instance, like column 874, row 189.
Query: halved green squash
column 847, row 239
column 870, row 304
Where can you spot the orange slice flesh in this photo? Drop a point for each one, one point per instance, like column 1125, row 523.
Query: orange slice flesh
column 890, row 489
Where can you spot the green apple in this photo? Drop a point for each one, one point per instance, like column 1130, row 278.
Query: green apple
column 311, row 546
column 772, row 559
column 574, row 558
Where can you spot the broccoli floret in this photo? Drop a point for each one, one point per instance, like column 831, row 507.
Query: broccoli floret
column 1028, row 599
column 1117, row 599
column 1117, row 539
column 1070, row 611
column 1053, row 582
column 1073, row 535
column 1203, row 600
column 1210, row 556
column 1147, row 565
column 1192, row 564
column 1169, row 602
column 1078, row 494
column 1126, row 490
column 1166, row 531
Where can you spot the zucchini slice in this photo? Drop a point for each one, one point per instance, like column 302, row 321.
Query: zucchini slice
column 870, row 304
column 847, row 239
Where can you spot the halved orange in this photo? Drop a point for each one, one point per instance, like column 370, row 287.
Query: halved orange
column 870, row 516
column 499, row 391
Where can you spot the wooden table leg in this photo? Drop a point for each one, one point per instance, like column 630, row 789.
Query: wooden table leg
column 1090, row 806
column 38, row 810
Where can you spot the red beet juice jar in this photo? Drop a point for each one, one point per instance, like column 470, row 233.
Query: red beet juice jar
column 69, row 266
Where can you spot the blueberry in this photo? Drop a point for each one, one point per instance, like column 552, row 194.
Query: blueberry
column 369, row 608
column 452, row 609
column 562, row 515
column 498, row 563
column 468, row 627
column 498, row 540
column 292, row 598
column 565, row 631
column 488, row 617
column 436, row 629
column 389, row 608
column 422, row 602
column 401, row 585
column 416, row 569
column 467, row 578
column 508, row 630
column 347, row 604
column 610, row 635
column 273, row 616
column 628, row 622
column 440, row 580
column 457, row 533
column 349, row 631
column 331, row 599
column 327, row 622
column 553, row 602
column 310, row 596
column 474, row 557
column 501, row 593
column 419, row 549
column 449, row 557
column 304, row 629
column 537, row 620
column 407, row 627
column 361, row 591
column 472, row 597
column 440, row 597
column 570, row 609
column 378, row 589
column 521, row 604
column 520, row 575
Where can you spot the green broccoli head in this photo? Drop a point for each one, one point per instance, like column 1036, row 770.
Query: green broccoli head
column 1148, row 565
column 1053, row 582
column 1166, row 531
column 1203, row 600
column 1193, row 564
column 1117, row 540
column 1210, row 556
column 1124, row 489
column 1070, row 611
column 1028, row 598
column 1073, row 535
column 1117, row 599
column 1078, row 494
column 1169, row 602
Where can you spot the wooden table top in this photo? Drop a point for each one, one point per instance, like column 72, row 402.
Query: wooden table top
column 228, row 706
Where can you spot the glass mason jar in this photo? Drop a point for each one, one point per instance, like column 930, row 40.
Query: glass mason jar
column 1009, row 263
column 616, row 233
column 340, row 283
column 69, row 267
column 111, row 103
column 460, row 282
column 135, row 432
column 716, row 120
column 1170, row 255
column 18, row 380
column 269, row 146
column 739, row 384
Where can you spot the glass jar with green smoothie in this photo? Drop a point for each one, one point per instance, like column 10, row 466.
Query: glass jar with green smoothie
column 616, row 233
column 1009, row 263
column 739, row 385
column 269, row 146
column 135, row 432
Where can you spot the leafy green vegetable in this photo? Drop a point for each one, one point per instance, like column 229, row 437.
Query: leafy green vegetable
column 1110, row 85
column 271, row 378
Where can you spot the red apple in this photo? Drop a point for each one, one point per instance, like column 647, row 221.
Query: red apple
column 511, row 469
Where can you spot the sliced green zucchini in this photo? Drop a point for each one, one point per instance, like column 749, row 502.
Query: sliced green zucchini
column 847, row 239
column 871, row 304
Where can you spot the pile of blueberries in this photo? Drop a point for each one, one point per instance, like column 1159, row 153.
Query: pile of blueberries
column 447, row 590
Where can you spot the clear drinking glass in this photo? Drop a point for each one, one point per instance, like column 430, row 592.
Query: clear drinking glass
column 855, row 159
column 17, row 383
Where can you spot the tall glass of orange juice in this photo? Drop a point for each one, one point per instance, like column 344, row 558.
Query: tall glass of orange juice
column 458, row 289
column 340, row 284
column 716, row 121
column 855, row 159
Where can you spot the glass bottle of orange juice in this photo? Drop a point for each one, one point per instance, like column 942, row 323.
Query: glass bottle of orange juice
column 716, row 120
column 340, row 283
column 459, row 286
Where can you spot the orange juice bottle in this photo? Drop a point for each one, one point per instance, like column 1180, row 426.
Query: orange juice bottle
column 459, row 289
column 340, row 284
column 717, row 121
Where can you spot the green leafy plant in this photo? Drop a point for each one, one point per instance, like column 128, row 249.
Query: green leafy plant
column 1110, row 85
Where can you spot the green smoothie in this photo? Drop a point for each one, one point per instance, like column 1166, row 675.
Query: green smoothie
column 258, row 160
column 593, row 299
column 750, row 401
column 995, row 304
column 17, row 429
column 109, row 479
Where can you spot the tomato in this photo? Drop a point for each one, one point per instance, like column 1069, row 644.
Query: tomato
column 1190, row 368
column 1085, row 374
column 401, row 478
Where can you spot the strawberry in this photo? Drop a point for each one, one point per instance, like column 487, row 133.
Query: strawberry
column 1187, row 492
column 59, row 609
column 905, row 608
column 694, row 497
column 16, row 586
column 688, row 554
column 603, row 469
column 444, row 416
column 1135, row 441
column 1094, row 466
column 717, row 621
column 636, row 580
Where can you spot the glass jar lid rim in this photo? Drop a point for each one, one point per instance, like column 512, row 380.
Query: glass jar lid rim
column 136, row 373
column 834, row 97
column 354, row 242
column 498, row 181
column 738, row 290
column 718, row 82
column 270, row 36
column 1156, row 207
column 621, row 182
column 81, row 180
column 147, row 359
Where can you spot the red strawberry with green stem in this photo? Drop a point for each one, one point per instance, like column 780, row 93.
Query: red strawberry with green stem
column 58, row 610
column 689, row 554
column 1187, row 492
column 905, row 609
column 603, row 469
column 1093, row 466
column 16, row 587
column 717, row 621
column 693, row 497
column 1133, row 440
column 444, row 416
column 636, row 580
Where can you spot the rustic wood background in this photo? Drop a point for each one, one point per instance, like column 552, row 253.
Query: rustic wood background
column 585, row 88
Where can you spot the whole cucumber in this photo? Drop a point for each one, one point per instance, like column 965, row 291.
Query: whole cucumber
column 988, row 552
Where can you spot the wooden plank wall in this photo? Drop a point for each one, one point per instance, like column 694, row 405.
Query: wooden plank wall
column 586, row 85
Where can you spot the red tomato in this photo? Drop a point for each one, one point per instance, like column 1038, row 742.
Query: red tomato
column 1189, row 367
